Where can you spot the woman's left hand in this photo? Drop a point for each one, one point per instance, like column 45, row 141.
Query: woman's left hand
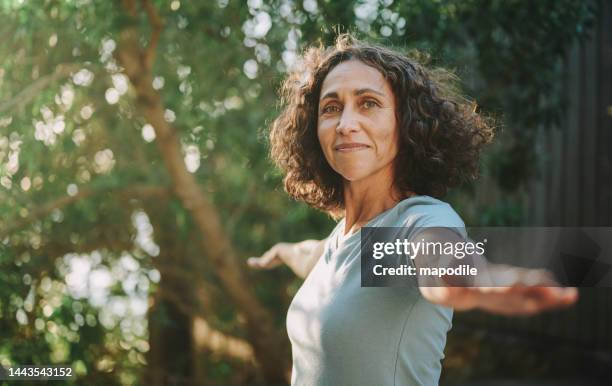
column 525, row 292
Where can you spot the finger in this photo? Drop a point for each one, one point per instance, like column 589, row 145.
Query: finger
column 521, row 301
column 254, row 262
column 562, row 297
column 538, row 277
column 259, row 262
column 570, row 295
column 266, row 261
column 538, row 299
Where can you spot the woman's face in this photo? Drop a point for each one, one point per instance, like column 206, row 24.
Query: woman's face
column 357, row 128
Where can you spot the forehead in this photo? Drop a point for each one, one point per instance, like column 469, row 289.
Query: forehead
column 354, row 75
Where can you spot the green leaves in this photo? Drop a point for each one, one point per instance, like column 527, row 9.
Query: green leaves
column 509, row 54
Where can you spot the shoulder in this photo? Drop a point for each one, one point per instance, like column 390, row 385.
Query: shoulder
column 426, row 211
column 332, row 239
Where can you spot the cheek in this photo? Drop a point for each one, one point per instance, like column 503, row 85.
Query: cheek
column 393, row 135
column 325, row 134
column 388, row 141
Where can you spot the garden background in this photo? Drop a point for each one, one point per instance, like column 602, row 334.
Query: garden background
column 135, row 181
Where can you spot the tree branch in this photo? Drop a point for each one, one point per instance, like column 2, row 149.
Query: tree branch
column 38, row 213
column 31, row 91
column 205, row 336
column 156, row 27
column 130, row 6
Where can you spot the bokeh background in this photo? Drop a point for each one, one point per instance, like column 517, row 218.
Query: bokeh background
column 135, row 182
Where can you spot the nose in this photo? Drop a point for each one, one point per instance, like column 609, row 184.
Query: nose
column 348, row 123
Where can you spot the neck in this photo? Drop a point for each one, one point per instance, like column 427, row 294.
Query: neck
column 364, row 200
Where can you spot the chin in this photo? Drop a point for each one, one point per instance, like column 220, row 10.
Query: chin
column 352, row 175
column 353, row 171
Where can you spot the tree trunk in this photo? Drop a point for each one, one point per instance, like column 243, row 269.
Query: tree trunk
column 270, row 346
column 169, row 356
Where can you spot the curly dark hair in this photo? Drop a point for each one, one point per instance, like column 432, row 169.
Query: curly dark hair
column 440, row 132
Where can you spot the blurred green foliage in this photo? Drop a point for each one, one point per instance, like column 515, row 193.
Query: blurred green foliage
column 73, row 148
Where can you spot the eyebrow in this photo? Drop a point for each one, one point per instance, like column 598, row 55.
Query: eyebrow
column 334, row 95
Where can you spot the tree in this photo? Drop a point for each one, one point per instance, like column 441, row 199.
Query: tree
column 133, row 143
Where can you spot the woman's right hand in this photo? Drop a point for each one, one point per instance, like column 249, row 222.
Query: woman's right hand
column 300, row 257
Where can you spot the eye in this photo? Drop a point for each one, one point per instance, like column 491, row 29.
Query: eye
column 330, row 108
column 369, row 103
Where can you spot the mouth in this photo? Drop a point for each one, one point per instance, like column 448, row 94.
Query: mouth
column 349, row 147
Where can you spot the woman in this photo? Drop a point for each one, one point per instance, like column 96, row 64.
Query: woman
column 370, row 136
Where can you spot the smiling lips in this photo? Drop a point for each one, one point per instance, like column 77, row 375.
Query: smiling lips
column 349, row 147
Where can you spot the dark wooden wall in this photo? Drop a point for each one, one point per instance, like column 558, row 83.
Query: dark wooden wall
column 574, row 188
column 575, row 184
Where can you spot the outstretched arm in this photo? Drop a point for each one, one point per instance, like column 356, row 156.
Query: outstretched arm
column 513, row 300
column 300, row 257
column 499, row 289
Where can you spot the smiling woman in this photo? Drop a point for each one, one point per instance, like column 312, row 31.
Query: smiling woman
column 346, row 92
column 372, row 137
column 356, row 125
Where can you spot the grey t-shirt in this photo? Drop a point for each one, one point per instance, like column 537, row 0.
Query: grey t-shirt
column 345, row 335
